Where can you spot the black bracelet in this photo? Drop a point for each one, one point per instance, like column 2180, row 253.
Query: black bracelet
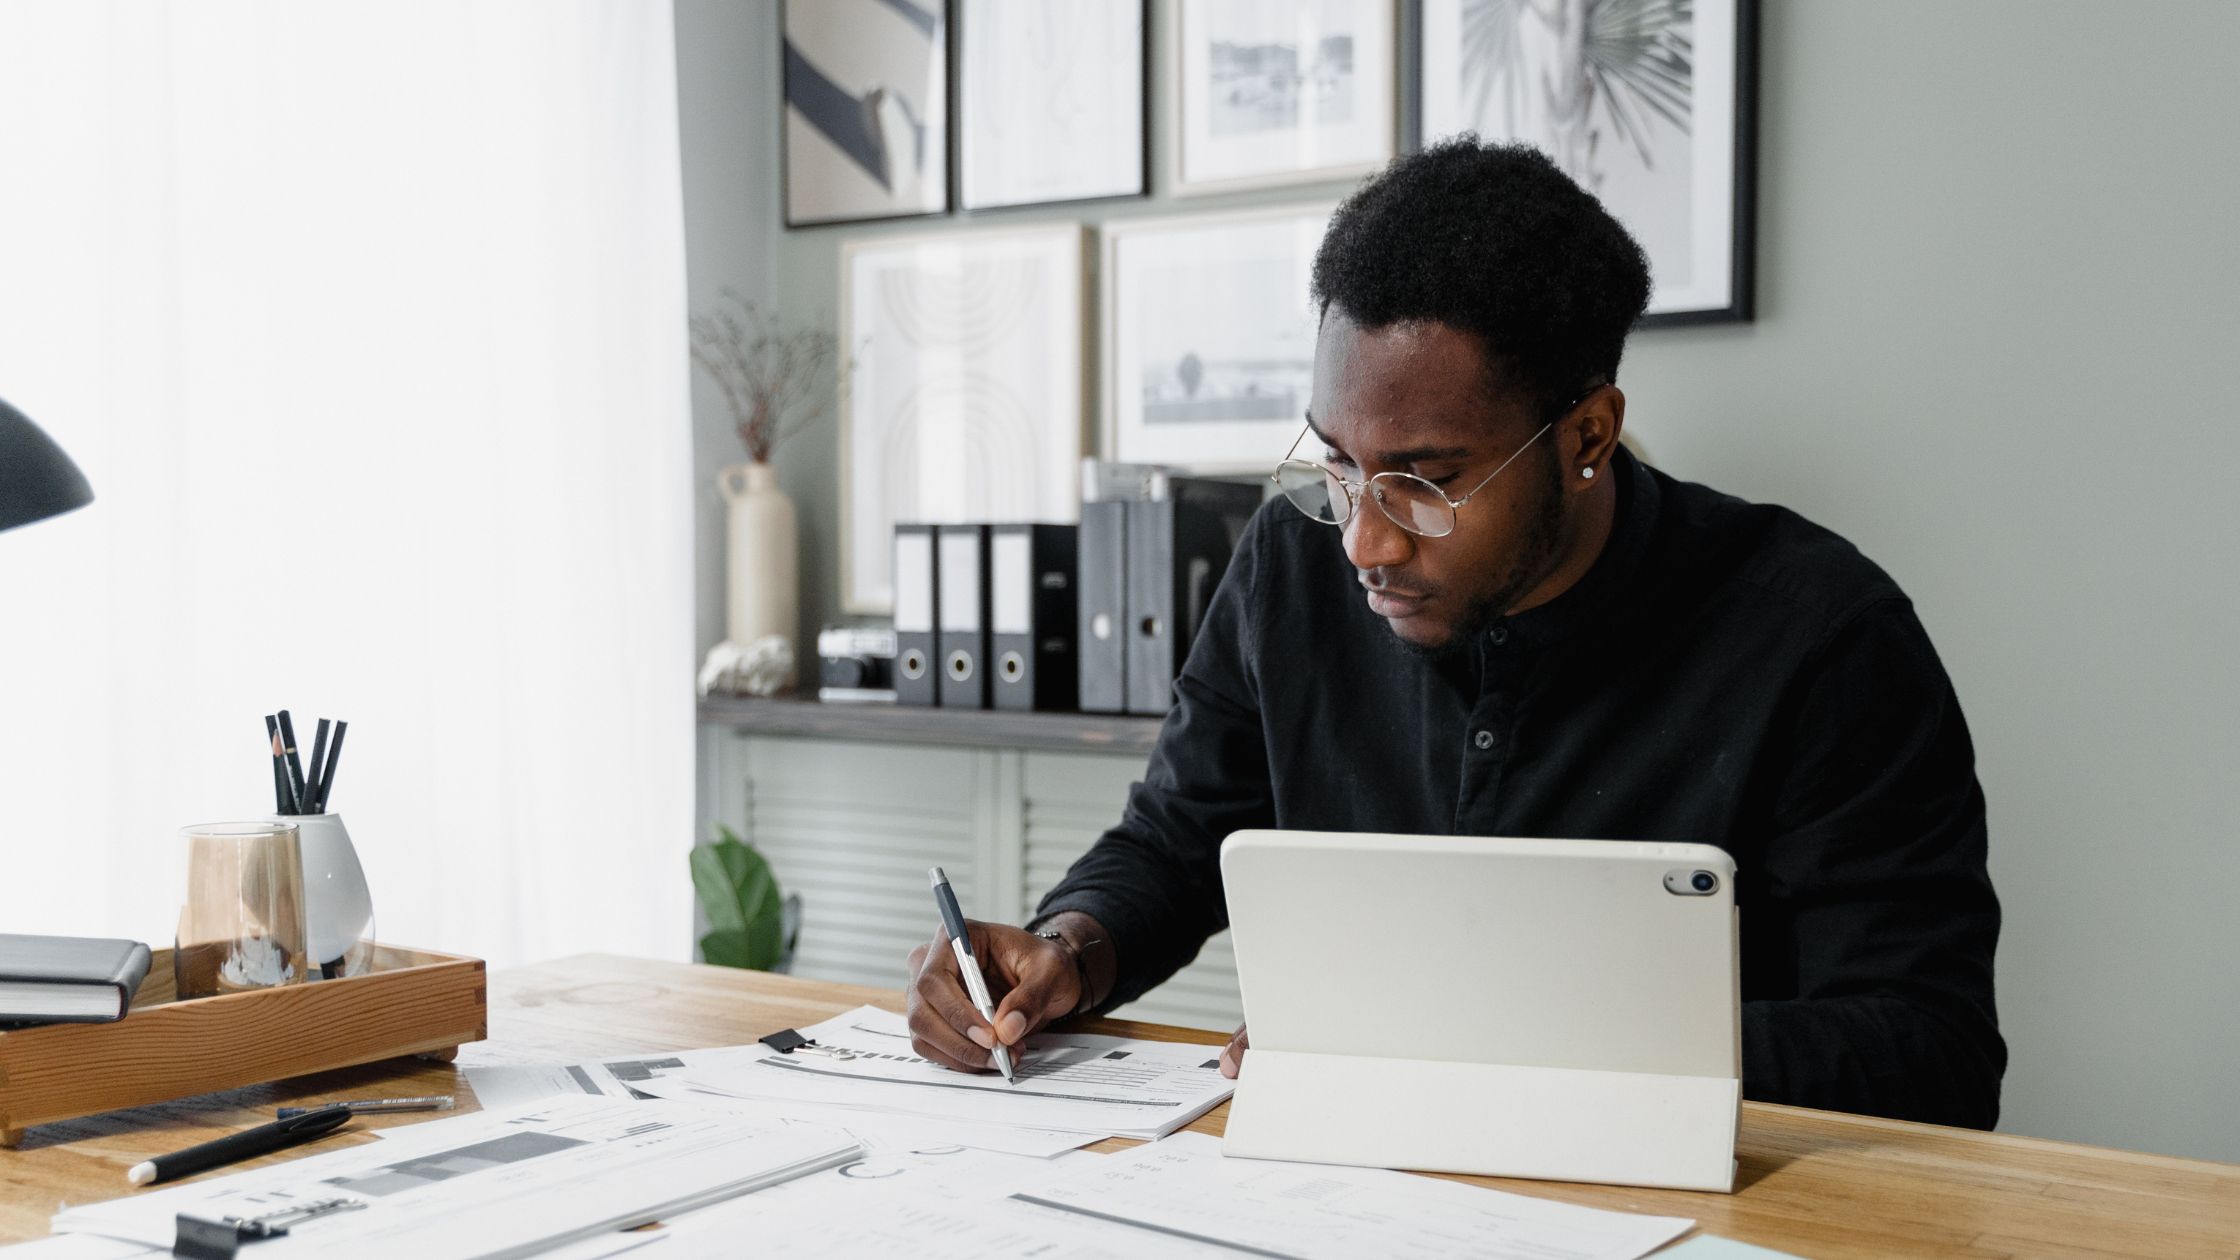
column 1080, row 968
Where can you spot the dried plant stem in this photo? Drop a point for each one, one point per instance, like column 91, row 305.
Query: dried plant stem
column 772, row 377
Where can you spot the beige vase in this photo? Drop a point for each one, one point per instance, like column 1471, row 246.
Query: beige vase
column 765, row 586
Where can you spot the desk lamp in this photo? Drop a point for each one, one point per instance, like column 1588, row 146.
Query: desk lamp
column 36, row 479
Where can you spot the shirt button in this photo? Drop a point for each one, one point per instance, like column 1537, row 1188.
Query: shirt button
column 1483, row 739
column 1499, row 635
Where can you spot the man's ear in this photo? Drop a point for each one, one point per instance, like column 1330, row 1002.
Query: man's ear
column 1588, row 438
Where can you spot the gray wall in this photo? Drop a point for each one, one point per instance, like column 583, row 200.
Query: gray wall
column 1996, row 275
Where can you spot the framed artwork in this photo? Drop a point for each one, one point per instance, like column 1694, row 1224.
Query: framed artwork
column 1650, row 104
column 1274, row 92
column 964, row 400
column 1051, row 101
column 1209, row 336
column 866, row 132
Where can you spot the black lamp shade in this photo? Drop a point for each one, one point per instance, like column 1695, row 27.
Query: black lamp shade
column 36, row 479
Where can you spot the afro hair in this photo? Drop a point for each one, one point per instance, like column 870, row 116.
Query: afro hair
column 1494, row 240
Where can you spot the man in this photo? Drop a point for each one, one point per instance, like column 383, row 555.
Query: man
column 1518, row 629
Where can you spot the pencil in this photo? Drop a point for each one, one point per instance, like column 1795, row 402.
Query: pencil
column 318, row 757
column 279, row 771
column 295, row 766
column 334, row 755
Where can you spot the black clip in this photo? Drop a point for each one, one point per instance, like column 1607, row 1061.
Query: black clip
column 786, row 1041
column 219, row 1240
column 199, row 1239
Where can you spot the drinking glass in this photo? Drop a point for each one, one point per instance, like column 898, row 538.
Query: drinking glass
column 242, row 925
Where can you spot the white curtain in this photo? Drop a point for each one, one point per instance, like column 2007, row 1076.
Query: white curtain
column 366, row 322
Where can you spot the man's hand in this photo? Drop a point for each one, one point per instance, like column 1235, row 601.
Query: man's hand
column 1031, row 980
column 1232, row 1055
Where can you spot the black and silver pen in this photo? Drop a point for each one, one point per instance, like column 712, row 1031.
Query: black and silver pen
column 960, row 940
column 372, row 1106
column 247, row 1144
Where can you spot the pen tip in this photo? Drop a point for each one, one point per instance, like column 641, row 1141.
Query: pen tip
column 141, row 1174
column 935, row 877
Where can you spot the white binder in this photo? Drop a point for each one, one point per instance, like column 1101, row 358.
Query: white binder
column 1566, row 1010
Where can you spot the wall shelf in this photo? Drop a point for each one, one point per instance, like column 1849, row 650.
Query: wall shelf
column 802, row 715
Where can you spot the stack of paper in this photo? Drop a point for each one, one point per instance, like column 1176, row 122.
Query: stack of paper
column 1075, row 1083
column 1183, row 1188
column 503, row 1078
column 1176, row 1198
column 493, row 1184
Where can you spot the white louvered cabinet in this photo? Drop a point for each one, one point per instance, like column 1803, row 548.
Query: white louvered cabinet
column 1069, row 799
column 851, row 825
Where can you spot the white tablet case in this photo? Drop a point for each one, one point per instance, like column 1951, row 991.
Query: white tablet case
column 1513, row 1008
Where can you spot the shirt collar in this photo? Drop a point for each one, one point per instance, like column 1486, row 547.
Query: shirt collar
column 1572, row 612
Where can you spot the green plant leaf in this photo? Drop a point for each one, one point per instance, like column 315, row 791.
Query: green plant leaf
column 741, row 900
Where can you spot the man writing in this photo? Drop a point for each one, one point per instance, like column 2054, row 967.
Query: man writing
column 1474, row 612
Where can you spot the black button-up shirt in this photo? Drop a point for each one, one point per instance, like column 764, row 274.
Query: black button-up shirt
column 1725, row 673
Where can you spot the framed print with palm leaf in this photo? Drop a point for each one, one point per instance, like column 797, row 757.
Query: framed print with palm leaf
column 1649, row 104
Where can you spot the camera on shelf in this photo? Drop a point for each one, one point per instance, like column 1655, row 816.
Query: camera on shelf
column 855, row 664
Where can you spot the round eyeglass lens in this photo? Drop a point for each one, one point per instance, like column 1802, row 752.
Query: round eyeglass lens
column 1413, row 504
column 1312, row 490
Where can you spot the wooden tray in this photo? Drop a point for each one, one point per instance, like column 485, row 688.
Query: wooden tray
column 413, row 1002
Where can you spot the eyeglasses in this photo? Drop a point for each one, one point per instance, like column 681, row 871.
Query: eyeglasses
column 1413, row 504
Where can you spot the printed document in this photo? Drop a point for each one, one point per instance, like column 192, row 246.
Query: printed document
column 1108, row 1086
column 1184, row 1188
column 489, row 1185
column 498, row 1086
column 883, row 1130
column 514, row 1080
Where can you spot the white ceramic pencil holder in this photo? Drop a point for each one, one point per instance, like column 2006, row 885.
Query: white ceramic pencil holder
column 338, row 907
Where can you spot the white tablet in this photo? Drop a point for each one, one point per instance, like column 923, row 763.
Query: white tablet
column 1564, row 1009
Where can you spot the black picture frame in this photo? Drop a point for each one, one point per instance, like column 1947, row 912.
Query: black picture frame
column 945, row 148
column 1741, row 300
column 960, row 115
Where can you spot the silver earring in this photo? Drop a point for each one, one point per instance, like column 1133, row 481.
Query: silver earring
column 1587, row 473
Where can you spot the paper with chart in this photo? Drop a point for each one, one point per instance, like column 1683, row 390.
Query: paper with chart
column 1184, row 1188
column 513, row 1079
column 491, row 1184
column 1116, row 1086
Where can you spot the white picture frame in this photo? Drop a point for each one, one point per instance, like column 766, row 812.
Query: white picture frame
column 1267, row 93
column 964, row 393
column 1209, row 333
column 865, row 130
column 1052, row 101
column 1665, row 140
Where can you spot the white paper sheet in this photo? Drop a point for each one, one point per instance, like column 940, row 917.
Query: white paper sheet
column 885, row 1130
column 501, row 1085
column 1109, row 1086
column 492, row 1184
column 926, row 1227
column 1184, row 1188
column 80, row 1247
column 924, row 1205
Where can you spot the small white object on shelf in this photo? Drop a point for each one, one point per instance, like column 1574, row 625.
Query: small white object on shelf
column 761, row 668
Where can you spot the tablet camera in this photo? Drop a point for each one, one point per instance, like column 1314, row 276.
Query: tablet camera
column 1691, row 883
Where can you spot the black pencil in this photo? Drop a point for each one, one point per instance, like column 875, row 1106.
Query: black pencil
column 334, row 755
column 295, row 765
column 289, row 803
column 317, row 786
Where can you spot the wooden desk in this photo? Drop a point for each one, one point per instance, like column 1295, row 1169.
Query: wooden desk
column 1814, row 1183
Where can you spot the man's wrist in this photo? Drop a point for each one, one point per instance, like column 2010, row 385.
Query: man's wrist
column 1096, row 965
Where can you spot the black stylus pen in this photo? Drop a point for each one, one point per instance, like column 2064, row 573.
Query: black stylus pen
column 247, row 1144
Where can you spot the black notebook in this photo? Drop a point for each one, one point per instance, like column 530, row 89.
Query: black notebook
column 68, row 979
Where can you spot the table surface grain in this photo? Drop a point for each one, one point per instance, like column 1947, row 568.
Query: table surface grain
column 1814, row 1183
